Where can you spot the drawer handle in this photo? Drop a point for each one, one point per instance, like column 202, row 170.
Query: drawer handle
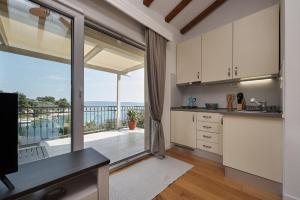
column 207, row 127
column 206, row 136
column 205, row 146
column 206, row 117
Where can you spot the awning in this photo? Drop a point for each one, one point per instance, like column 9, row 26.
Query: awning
column 30, row 30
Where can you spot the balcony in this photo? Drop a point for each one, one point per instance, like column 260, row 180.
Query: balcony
column 44, row 131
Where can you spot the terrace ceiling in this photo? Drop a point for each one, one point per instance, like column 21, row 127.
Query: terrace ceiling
column 29, row 30
column 183, row 14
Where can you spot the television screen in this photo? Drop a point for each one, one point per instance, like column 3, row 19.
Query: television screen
column 8, row 133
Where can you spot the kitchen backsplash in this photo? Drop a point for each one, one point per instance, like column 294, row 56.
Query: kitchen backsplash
column 268, row 90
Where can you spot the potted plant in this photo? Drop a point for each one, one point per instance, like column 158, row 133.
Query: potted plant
column 132, row 119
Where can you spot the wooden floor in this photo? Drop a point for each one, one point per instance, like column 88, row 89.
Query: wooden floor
column 206, row 181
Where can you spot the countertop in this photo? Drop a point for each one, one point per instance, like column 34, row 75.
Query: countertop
column 234, row 112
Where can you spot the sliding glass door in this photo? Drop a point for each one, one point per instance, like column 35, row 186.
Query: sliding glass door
column 78, row 86
column 114, row 106
column 36, row 62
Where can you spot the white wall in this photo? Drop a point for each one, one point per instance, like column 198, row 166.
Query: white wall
column 230, row 11
column 291, row 183
column 147, row 17
column 170, row 69
column 263, row 90
column 109, row 16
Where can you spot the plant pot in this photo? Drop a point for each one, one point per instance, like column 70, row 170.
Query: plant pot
column 131, row 125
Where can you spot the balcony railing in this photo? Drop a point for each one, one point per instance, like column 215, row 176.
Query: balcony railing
column 44, row 123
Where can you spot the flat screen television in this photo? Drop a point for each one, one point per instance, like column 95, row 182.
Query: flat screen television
column 9, row 136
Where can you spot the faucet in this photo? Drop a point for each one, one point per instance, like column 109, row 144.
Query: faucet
column 261, row 104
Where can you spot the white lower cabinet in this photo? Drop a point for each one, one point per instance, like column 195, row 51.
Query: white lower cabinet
column 197, row 130
column 209, row 146
column 209, row 132
column 209, row 137
column 253, row 145
column 183, row 128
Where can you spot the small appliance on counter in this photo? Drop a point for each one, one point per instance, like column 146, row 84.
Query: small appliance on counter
column 230, row 99
column 241, row 103
column 191, row 102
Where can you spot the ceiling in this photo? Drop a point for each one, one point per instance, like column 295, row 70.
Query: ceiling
column 187, row 11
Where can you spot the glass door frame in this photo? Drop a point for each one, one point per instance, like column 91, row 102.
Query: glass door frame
column 77, row 65
column 102, row 29
column 77, row 75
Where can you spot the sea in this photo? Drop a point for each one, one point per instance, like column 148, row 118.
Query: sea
column 112, row 103
column 34, row 130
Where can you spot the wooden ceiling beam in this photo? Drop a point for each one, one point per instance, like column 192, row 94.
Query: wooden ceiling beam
column 147, row 2
column 177, row 10
column 202, row 15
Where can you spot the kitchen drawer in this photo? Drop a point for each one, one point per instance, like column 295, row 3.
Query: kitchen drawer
column 209, row 137
column 209, row 146
column 209, row 126
column 209, row 117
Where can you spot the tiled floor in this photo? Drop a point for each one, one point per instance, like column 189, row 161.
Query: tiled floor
column 115, row 144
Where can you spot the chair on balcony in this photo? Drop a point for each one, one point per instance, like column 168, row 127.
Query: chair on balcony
column 33, row 153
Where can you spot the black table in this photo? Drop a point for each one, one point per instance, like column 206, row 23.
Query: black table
column 41, row 174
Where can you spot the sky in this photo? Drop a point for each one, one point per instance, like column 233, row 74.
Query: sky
column 36, row 77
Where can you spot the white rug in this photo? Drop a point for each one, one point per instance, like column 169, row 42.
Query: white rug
column 146, row 179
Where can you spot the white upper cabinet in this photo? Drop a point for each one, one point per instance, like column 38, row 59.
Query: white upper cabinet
column 217, row 54
column 256, row 44
column 189, row 61
column 246, row 48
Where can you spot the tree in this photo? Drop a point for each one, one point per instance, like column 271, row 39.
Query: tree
column 63, row 102
column 23, row 100
column 46, row 99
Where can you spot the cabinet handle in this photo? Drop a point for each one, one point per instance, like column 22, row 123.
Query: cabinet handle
column 207, row 127
column 206, row 117
column 205, row 146
column 198, row 75
column 193, row 118
column 236, row 71
column 206, row 136
column 229, row 74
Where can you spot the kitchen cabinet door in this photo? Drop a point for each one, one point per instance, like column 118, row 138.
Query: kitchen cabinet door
column 256, row 44
column 189, row 61
column 217, row 54
column 253, row 145
column 183, row 128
